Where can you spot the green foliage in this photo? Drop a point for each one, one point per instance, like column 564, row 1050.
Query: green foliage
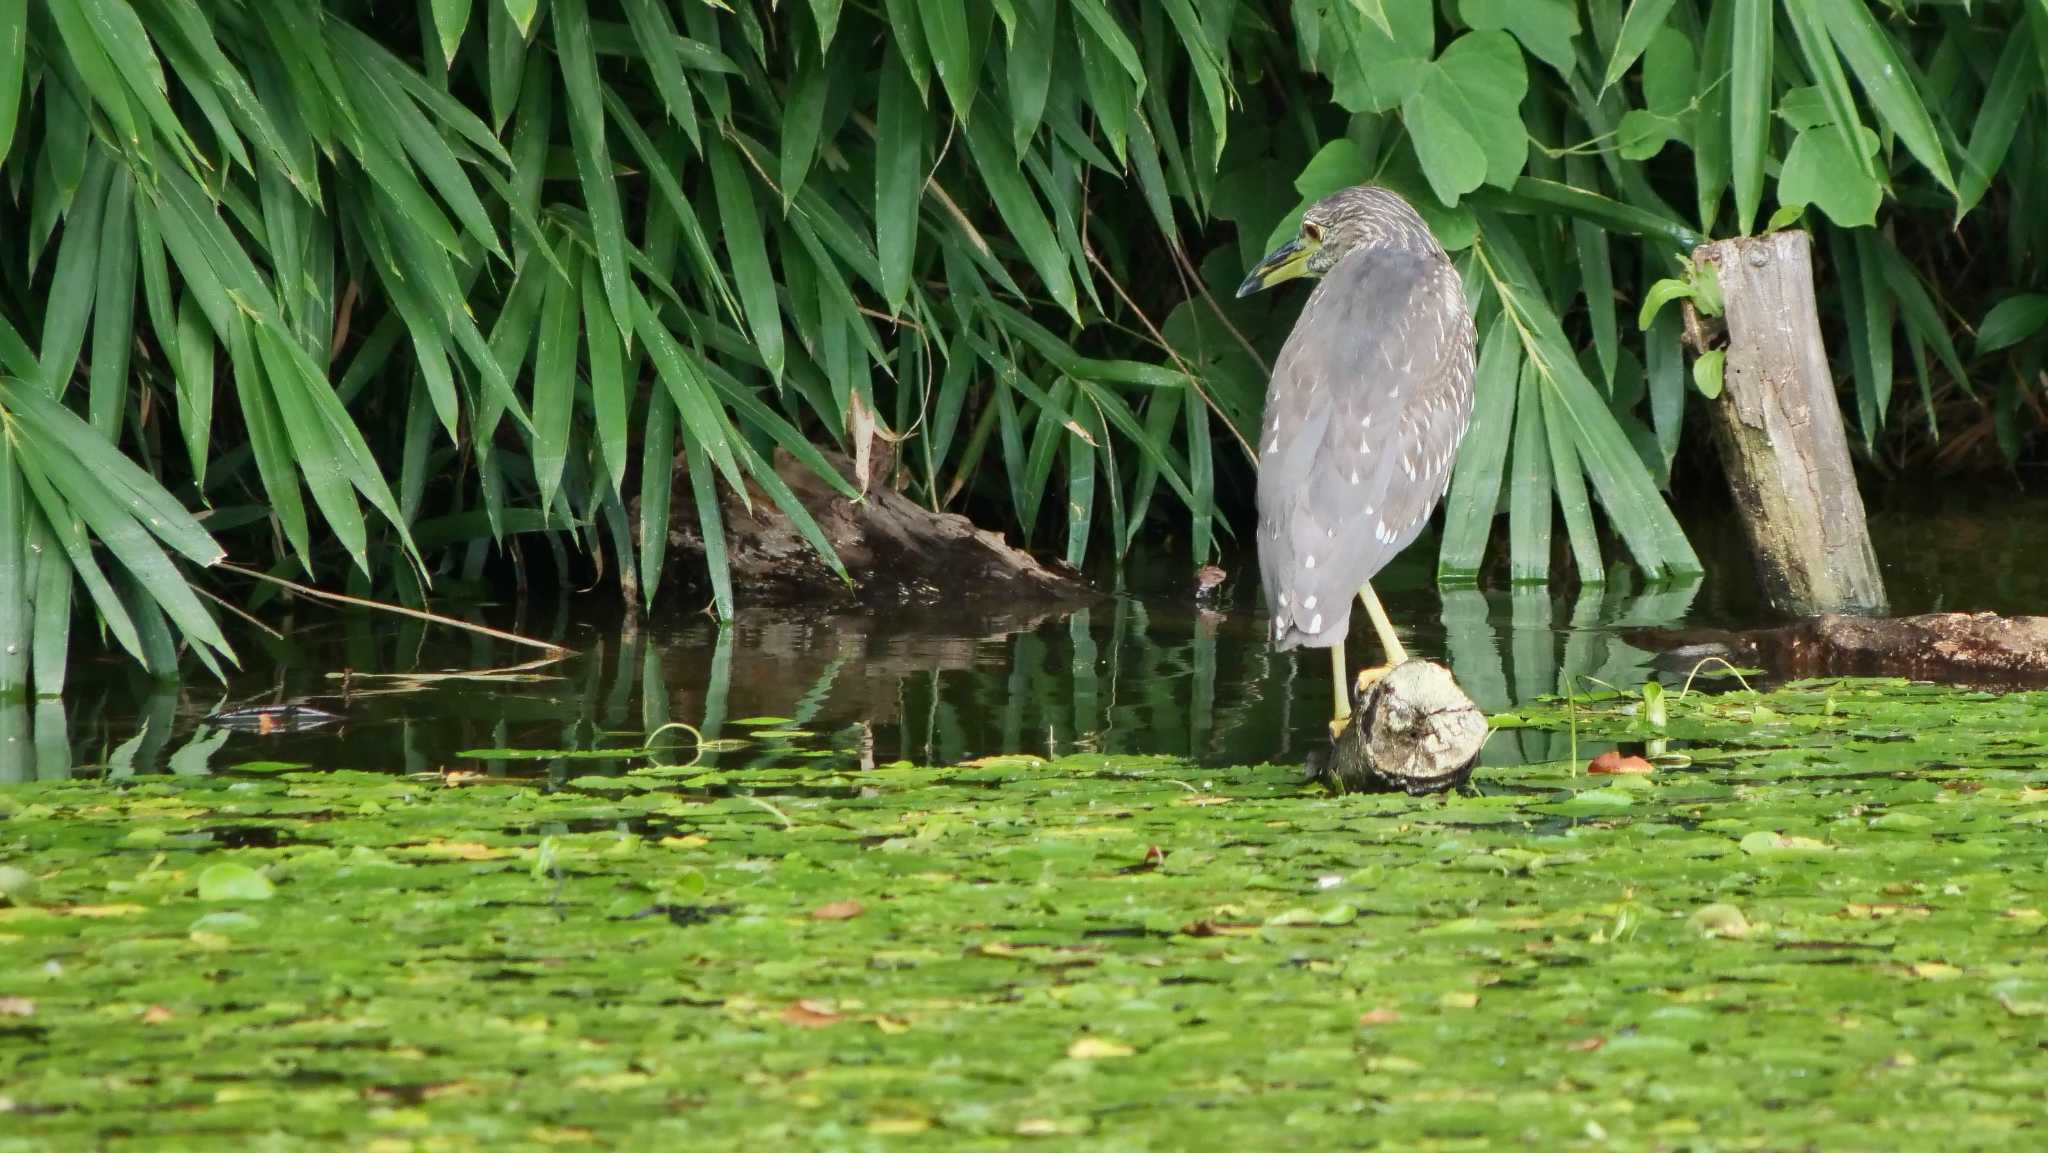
column 374, row 290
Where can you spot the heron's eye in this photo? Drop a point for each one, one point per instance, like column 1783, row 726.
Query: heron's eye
column 1312, row 231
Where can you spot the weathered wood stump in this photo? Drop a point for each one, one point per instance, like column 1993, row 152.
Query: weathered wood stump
column 1779, row 428
column 1966, row 648
column 1415, row 731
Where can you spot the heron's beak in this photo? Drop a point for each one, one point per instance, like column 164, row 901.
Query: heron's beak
column 1286, row 262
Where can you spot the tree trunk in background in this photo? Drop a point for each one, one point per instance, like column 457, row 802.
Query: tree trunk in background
column 1780, row 431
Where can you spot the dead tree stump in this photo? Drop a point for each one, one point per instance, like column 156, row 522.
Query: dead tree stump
column 1779, row 427
column 1415, row 731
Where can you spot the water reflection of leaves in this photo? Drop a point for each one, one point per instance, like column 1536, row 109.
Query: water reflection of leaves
column 1124, row 676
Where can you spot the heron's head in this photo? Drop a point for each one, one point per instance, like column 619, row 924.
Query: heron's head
column 1338, row 225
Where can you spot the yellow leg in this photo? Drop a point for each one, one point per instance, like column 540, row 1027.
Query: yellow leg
column 1390, row 642
column 1340, row 690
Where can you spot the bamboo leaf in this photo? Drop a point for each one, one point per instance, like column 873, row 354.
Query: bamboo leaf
column 1885, row 80
column 610, row 390
column 1638, row 28
column 13, row 67
column 1749, row 105
column 451, row 18
column 554, row 376
column 711, row 526
column 899, row 179
column 593, row 155
column 946, row 34
column 2015, row 82
column 748, row 249
column 1529, row 488
column 657, row 479
column 1475, row 481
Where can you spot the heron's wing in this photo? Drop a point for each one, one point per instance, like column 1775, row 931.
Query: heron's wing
column 1363, row 416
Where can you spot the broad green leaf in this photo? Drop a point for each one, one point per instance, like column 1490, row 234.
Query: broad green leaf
column 1825, row 67
column 2012, row 320
column 1706, row 372
column 1465, row 118
column 1545, row 27
column 1819, row 171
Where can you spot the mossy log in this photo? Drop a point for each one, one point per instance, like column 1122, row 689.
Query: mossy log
column 1779, row 428
column 1966, row 648
column 1414, row 731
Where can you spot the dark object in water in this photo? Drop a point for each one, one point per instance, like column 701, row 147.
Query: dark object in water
column 896, row 551
column 268, row 719
column 1414, row 731
column 1965, row 648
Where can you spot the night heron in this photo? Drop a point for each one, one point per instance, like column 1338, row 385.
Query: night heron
column 1364, row 413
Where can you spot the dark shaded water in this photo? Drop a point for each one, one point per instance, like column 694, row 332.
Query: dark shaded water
column 1145, row 672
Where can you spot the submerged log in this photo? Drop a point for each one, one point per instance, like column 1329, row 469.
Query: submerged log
column 1779, row 428
column 1415, row 731
column 1966, row 648
column 896, row 551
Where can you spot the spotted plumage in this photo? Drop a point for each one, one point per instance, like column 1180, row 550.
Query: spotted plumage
column 1367, row 404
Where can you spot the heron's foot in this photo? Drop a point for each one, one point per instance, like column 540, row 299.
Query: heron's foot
column 1367, row 678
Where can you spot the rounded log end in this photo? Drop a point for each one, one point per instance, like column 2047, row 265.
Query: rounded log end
column 1415, row 731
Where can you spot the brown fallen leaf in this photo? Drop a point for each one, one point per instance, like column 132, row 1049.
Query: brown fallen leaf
column 456, row 850
column 17, row 1007
column 1585, row 1044
column 1879, row 912
column 1206, row 928
column 1380, row 1015
column 810, row 1015
column 1934, row 970
column 838, row 911
column 1097, row 1049
column 155, row 1015
column 95, row 912
column 1613, row 763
